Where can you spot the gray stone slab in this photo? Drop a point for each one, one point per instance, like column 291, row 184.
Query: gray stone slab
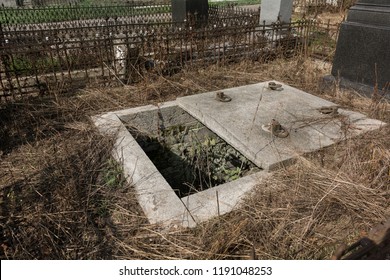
column 362, row 53
column 355, row 58
column 374, row 2
column 196, row 8
column 369, row 14
column 276, row 10
column 240, row 121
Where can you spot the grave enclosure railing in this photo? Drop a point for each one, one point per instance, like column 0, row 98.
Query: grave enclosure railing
column 41, row 57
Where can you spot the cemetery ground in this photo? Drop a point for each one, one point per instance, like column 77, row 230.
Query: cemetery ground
column 63, row 197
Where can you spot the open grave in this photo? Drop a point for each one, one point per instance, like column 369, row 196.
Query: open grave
column 190, row 156
column 196, row 157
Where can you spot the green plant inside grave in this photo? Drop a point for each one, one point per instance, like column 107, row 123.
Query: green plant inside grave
column 192, row 158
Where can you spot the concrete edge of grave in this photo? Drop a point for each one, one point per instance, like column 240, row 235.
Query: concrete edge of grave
column 222, row 199
column 157, row 199
column 362, row 122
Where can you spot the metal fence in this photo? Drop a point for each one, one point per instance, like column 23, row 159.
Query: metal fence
column 47, row 14
column 41, row 57
column 43, row 3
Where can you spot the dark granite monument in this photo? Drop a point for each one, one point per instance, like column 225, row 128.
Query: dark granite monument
column 195, row 9
column 362, row 58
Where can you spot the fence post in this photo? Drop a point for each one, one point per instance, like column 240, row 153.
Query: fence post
column 120, row 55
column 6, row 62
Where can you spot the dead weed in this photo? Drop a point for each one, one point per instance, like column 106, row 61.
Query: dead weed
column 62, row 196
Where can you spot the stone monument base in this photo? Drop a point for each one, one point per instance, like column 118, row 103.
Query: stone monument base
column 362, row 54
column 329, row 82
column 182, row 9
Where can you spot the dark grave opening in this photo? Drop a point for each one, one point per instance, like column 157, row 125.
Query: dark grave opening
column 190, row 156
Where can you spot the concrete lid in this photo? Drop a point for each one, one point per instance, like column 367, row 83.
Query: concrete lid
column 239, row 122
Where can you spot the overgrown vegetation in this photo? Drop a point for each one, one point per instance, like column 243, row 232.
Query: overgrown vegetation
column 62, row 196
column 192, row 158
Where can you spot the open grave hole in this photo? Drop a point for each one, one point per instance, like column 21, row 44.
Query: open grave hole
column 189, row 156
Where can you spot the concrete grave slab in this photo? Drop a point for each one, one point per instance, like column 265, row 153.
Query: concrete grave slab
column 240, row 121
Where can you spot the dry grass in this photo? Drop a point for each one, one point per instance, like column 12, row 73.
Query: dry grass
column 62, row 197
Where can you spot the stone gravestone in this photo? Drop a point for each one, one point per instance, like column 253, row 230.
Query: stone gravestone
column 126, row 56
column 121, row 56
column 198, row 9
column 362, row 57
column 11, row 3
column 276, row 11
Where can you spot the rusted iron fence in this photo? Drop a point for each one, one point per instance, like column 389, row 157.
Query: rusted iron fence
column 322, row 40
column 41, row 57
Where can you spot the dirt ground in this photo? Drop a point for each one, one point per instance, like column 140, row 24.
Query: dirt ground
column 63, row 197
column 332, row 18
